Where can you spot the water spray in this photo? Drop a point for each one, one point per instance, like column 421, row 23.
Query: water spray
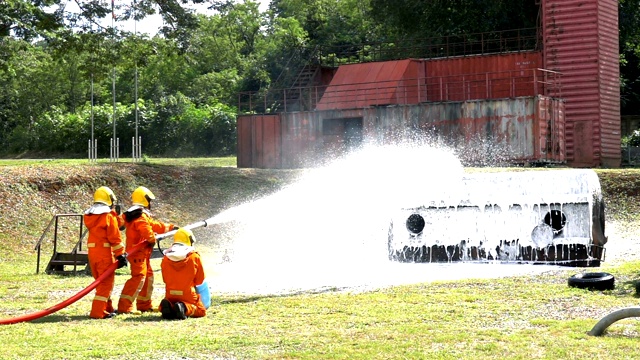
column 203, row 223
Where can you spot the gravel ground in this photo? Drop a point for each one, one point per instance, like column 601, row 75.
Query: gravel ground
column 624, row 242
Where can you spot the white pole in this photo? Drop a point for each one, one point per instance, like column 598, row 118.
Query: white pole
column 135, row 32
column 113, row 89
column 91, row 150
column 92, row 136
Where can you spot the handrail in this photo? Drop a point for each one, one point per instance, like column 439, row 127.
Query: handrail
column 52, row 222
column 39, row 243
column 78, row 247
column 524, row 39
column 458, row 87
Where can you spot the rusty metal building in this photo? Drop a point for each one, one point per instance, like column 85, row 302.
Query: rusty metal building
column 551, row 98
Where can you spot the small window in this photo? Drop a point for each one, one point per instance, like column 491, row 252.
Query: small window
column 556, row 219
column 415, row 223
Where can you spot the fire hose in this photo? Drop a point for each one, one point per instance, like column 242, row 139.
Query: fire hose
column 93, row 285
column 159, row 237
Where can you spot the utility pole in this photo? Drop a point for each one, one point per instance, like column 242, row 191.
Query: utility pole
column 137, row 140
column 115, row 142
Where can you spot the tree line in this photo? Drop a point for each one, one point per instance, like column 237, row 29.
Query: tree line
column 64, row 75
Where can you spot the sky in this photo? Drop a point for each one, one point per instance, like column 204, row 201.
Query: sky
column 150, row 24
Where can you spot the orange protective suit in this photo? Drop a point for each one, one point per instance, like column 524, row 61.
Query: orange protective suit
column 181, row 271
column 104, row 244
column 140, row 227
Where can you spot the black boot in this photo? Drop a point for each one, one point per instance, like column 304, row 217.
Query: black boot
column 180, row 311
column 168, row 312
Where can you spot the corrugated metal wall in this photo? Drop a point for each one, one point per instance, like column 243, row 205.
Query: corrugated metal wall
column 581, row 42
column 259, row 141
column 361, row 85
column 482, row 77
column 525, row 129
column 483, row 132
column 609, row 88
column 550, row 129
column 453, row 79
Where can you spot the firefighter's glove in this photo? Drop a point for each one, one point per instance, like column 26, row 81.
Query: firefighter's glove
column 122, row 261
column 118, row 209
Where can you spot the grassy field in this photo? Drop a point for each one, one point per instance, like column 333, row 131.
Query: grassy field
column 528, row 317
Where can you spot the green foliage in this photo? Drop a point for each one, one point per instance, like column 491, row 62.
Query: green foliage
column 29, row 19
column 425, row 19
column 54, row 64
column 180, row 128
column 631, row 140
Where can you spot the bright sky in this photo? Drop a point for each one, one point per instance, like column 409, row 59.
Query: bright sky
column 150, row 24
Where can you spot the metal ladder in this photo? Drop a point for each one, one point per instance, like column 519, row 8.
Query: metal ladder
column 61, row 261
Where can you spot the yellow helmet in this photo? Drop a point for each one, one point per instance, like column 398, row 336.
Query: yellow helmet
column 142, row 196
column 184, row 236
column 105, row 196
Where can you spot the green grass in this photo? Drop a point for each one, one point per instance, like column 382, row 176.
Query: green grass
column 530, row 317
column 526, row 317
column 229, row 161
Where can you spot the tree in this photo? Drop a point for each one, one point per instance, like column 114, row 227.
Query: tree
column 29, row 19
column 406, row 19
column 629, row 21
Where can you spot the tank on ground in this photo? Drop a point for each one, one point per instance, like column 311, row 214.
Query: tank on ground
column 536, row 216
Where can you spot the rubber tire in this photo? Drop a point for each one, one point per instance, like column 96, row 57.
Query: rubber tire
column 593, row 281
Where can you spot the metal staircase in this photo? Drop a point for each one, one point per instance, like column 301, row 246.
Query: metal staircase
column 300, row 95
column 76, row 260
column 64, row 262
column 296, row 87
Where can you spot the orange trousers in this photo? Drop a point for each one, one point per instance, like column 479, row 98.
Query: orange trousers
column 139, row 287
column 101, row 305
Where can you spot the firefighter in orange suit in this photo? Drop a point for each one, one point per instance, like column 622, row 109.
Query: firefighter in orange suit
column 140, row 227
column 182, row 272
column 105, row 248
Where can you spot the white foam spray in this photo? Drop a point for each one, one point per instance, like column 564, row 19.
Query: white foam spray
column 330, row 229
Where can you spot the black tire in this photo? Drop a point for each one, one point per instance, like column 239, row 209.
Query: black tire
column 593, row 281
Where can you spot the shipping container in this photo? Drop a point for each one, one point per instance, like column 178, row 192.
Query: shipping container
column 483, row 132
column 581, row 42
column 571, row 83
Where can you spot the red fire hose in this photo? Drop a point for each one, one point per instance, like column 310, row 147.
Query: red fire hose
column 85, row 291
column 71, row 300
